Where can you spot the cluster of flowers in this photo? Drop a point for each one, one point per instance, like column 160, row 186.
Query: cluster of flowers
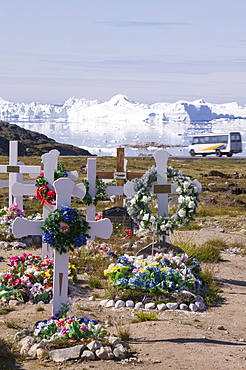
column 92, row 251
column 7, row 216
column 138, row 205
column 73, row 329
column 127, row 234
column 162, row 273
column 97, row 248
column 30, row 278
column 43, row 192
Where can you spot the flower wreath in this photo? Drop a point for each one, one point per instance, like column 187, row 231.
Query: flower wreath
column 65, row 229
column 43, row 192
column 100, row 192
column 138, row 205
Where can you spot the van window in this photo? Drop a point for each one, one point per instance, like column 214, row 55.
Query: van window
column 195, row 140
column 223, row 138
column 235, row 138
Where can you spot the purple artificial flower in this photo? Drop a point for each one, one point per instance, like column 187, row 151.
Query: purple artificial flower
column 64, row 331
column 84, row 328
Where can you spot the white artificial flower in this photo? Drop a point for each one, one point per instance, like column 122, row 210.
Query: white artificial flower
column 187, row 199
column 179, row 190
column 146, row 217
column 163, row 227
column 146, row 199
column 181, row 213
column 186, row 184
column 181, row 199
column 30, row 271
column 152, row 219
column 191, row 204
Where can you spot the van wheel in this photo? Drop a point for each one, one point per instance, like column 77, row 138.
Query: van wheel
column 204, row 155
column 218, row 153
column 192, row 153
column 229, row 154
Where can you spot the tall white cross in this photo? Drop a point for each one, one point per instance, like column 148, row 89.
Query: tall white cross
column 64, row 188
column 91, row 177
column 50, row 161
column 162, row 188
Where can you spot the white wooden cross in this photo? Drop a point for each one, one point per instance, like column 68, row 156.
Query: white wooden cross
column 91, row 177
column 50, row 161
column 64, row 188
column 162, row 188
column 16, row 170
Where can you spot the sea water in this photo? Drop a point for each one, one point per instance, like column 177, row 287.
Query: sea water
column 102, row 138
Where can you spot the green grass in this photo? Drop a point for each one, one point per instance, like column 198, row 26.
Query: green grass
column 211, row 292
column 6, row 310
column 217, row 210
column 124, row 334
column 12, row 325
column 142, row 316
column 207, row 252
column 40, row 309
column 95, row 282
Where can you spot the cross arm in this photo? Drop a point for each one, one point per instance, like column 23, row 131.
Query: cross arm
column 23, row 227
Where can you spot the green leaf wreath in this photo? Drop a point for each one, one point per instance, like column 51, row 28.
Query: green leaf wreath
column 138, row 205
column 100, row 192
column 65, row 229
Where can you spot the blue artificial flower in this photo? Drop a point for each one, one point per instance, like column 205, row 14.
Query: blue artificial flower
column 170, row 272
column 85, row 320
column 171, row 285
column 111, row 253
column 194, row 260
column 78, row 242
column 152, row 284
column 165, row 262
column 95, row 322
column 67, row 213
column 134, row 282
column 121, row 281
column 38, row 322
column 49, row 238
column 140, row 274
column 123, row 260
column 198, row 283
column 147, row 284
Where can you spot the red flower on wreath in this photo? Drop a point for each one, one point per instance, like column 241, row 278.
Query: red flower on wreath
column 45, row 194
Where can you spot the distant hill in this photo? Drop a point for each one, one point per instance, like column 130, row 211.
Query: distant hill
column 33, row 143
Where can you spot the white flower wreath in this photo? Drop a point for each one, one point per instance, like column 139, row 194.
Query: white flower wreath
column 138, row 205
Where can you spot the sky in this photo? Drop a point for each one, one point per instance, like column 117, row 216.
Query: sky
column 151, row 51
